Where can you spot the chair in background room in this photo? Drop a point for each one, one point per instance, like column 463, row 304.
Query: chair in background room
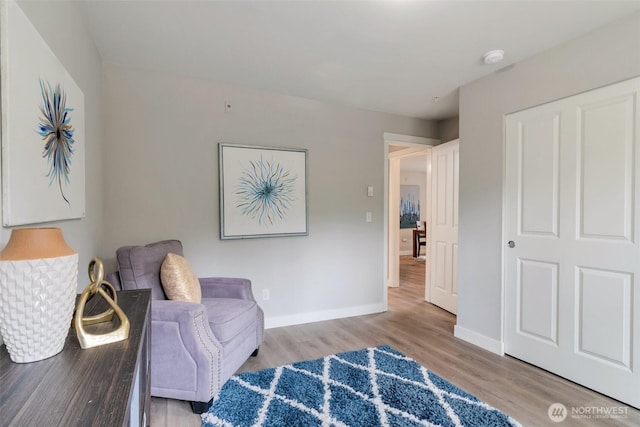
column 421, row 227
column 195, row 346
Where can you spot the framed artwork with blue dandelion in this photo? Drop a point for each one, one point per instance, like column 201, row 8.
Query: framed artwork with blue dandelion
column 43, row 174
column 263, row 191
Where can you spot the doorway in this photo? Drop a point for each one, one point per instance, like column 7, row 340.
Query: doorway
column 397, row 148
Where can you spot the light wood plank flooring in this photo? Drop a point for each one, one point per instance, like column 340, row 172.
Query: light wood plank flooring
column 425, row 333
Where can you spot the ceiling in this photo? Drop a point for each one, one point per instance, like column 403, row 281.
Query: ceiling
column 389, row 56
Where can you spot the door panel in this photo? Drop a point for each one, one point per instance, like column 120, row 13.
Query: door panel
column 439, row 265
column 539, row 142
column 604, row 317
column 538, row 300
column 606, row 169
column 441, row 184
column 571, row 278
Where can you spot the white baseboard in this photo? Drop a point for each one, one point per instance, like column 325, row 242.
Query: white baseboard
column 319, row 316
column 480, row 340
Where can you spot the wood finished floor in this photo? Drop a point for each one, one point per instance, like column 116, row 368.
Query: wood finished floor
column 425, row 333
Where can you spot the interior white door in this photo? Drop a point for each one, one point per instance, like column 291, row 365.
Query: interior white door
column 442, row 234
column 572, row 260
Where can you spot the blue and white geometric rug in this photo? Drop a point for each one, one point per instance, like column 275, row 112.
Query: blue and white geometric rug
column 371, row 387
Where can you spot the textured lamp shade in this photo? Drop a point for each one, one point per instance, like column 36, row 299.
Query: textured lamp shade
column 38, row 282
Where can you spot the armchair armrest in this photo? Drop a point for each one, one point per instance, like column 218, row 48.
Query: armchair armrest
column 175, row 311
column 184, row 352
column 226, row 287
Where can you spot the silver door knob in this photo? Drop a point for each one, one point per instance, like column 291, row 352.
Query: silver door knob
column 511, row 244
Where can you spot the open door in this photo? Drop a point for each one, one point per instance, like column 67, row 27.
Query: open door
column 442, row 231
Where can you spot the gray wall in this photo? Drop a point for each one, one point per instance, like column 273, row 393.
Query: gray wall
column 449, row 129
column 605, row 56
column 62, row 27
column 162, row 182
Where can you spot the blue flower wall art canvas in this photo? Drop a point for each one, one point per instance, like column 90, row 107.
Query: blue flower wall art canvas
column 57, row 133
column 266, row 191
column 263, row 192
column 42, row 130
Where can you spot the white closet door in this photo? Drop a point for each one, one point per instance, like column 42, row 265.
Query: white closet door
column 572, row 215
column 443, row 230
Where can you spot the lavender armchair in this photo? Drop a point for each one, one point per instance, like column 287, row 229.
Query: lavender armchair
column 195, row 348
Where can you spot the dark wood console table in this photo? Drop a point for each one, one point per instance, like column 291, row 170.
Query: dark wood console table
column 101, row 386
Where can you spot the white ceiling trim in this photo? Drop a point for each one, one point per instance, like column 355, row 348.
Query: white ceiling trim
column 399, row 139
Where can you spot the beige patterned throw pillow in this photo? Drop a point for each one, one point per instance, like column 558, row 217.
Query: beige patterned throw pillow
column 178, row 279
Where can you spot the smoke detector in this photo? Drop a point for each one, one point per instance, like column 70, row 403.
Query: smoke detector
column 493, row 56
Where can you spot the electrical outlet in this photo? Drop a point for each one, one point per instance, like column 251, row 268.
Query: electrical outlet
column 265, row 295
column 369, row 217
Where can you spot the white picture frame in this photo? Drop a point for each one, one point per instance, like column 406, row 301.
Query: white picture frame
column 263, row 191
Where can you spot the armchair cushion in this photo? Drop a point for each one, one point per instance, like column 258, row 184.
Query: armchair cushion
column 178, row 279
column 228, row 317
